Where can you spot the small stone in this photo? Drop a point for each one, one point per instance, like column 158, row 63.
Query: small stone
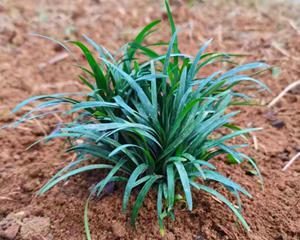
column 278, row 123
column 118, row 229
column 58, row 48
column 35, row 227
column 109, row 188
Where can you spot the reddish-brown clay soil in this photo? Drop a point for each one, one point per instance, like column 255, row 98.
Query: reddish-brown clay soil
column 265, row 32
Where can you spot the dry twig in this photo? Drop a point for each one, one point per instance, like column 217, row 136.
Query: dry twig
column 293, row 159
column 6, row 198
column 288, row 88
column 294, row 26
column 255, row 142
column 55, row 59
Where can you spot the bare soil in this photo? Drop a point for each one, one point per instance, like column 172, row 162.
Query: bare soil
column 267, row 32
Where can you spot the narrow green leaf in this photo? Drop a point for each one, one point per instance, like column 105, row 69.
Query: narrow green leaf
column 52, row 183
column 172, row 24
column 130, row 184
column 92, row 104
column 185, row 184
column 101, row 185
column 140, row 37
column 171, row 185
column 159, row 209
column 99, row 76
column 121, row 148
column 86, row 219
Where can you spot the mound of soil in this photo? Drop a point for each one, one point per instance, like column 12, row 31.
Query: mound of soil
column 30, row 66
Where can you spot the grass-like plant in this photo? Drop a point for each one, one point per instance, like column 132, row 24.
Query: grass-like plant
column 149, row 121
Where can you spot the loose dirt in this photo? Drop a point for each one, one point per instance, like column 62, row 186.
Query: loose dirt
column 265, row 32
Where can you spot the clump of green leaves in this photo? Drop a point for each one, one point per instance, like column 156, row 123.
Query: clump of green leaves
column 151, row 123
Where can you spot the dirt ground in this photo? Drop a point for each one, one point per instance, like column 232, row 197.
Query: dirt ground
column 265, row 30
